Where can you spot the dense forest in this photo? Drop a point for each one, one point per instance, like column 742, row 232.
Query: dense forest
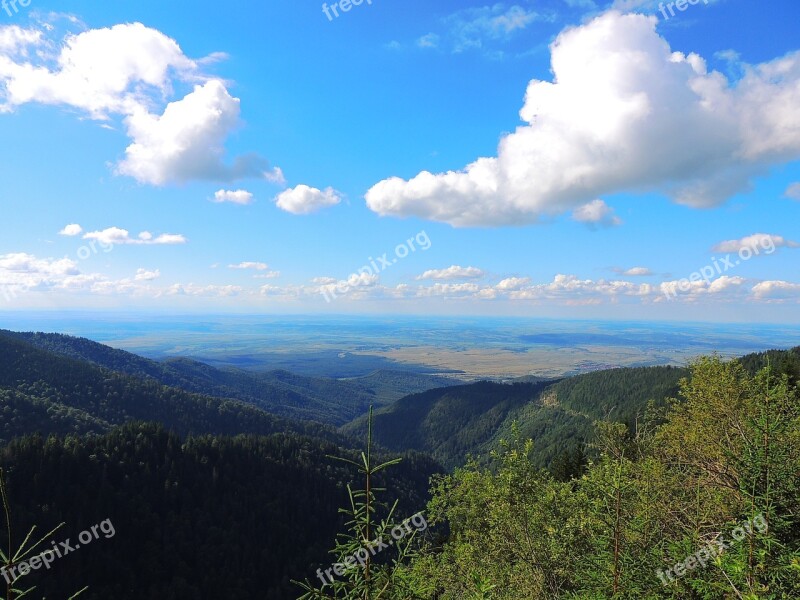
column 614, row 484
column 200, row 517
column 699, row 500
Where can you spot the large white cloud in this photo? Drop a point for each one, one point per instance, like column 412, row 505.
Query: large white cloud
column 187, row 141
column 129, row 70
column 623, row 113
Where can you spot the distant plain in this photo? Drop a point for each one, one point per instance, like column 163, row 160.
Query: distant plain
column 461, row 347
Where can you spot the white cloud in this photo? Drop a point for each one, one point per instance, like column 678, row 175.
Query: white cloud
column 268, row 275
column 449, row 289
column 323, row 280
column 191, row 289
column 512, row 283
column 236, row 197
column 637, row 272
column 14, row 39
column 117, row 236
column 756, row 242
column 776, row 290
column 793, row 191
column 71, row 230
column 304, row 200
column 275, row 176
column 186, row 141
column 623, row 113
column 596, row 213
column 453, row 272
column 129, row 70
column 145, row 275
column 257, row 266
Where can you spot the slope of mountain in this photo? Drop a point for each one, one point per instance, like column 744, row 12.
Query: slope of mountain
column 199, row 517
column 50, row 393
column 281, row 393
column 453, row 422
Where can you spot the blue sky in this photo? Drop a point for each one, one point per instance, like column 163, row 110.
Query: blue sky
column 546, row 158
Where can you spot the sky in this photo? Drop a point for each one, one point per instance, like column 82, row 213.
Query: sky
column 550, row 158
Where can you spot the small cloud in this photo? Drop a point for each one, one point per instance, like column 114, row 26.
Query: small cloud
column 430, row 40
column 596, row 213
column 793, row 191
column 304, row 200
column 776, row 290
column 71, row 230
column 275, row 176
column 324, row 280
column 512, row 284
column 235, row 197
column 757, row 241
column 268, row 275
column 117, row 236
column 145, row 275
column 453, row 272
column 256, row 266
column 635, row 272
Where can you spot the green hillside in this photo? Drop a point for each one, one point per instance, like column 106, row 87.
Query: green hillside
column 320, row 399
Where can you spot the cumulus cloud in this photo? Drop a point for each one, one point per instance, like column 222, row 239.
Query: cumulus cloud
column 453, row 272
column 623, row 113
column 71, row 230
column 776, row 290
column 116, row 236
column 304, row 200
column 14, row 39
column 145, row 275
column 235, row 197
column 128, row 70
column 186, row 141
column 757, row 241
column 596, row 213
column 512, row 283
column 793, row 191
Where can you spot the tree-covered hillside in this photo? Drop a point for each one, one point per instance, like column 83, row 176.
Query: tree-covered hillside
column 49, row 393
column 203, row 517
column 321, row 399
column 471, row 419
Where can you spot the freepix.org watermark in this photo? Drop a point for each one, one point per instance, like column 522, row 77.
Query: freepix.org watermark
column 708, row 273
column 681, row 5
column 59, row 550
column 342, row 5
column 11, row 5
column 712, row 550
column 374, row 266
column 372, row 548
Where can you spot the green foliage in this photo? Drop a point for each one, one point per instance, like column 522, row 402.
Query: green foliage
column 458, row 421
column 196, row 517
column 680, row 481
column 366, row 579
